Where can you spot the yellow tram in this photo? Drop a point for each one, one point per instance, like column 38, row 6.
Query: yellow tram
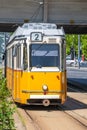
column 35, row 64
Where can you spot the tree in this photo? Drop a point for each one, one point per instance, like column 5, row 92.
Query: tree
column 72, row 41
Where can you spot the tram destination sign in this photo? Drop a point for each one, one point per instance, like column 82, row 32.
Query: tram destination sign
column 36, row 37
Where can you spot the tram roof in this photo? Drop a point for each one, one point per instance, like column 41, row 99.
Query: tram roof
column 48, row 29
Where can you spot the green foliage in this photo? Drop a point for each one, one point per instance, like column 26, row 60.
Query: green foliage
column 72, row 40
column 6, row 109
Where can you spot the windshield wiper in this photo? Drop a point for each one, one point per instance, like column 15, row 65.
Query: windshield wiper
column 38, row 66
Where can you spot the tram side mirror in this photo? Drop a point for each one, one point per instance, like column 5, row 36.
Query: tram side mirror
column 15, row 51
column 3, row 57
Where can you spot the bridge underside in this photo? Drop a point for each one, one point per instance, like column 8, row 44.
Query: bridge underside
column 69, row 29
column 71, row 14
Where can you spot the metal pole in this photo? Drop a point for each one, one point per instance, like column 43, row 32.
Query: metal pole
column 79, row 51
column 74, row 51
column 45, row 10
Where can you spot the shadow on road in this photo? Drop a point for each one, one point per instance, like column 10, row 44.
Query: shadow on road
column 70, row 104
column 73, row 104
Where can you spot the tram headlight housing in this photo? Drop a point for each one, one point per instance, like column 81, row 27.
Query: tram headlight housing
column 44, row 87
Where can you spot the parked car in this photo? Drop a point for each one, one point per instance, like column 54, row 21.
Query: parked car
column 70, row 62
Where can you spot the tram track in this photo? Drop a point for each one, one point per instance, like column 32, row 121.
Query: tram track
column 27, row 119
column 74, row 103
column 82, row 120
column 35, row 117
column 34, row 120
column 36, row 123
column 77, row 117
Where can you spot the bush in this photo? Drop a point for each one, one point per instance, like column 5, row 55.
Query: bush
column 6, row 109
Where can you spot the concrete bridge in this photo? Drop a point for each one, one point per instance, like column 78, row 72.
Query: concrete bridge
column 71, row 14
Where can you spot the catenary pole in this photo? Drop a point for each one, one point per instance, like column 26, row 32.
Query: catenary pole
column 79, row 51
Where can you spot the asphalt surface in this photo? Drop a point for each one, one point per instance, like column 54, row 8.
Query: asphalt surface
column 77, row 77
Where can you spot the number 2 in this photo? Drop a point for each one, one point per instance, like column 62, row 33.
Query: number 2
column 36, row 37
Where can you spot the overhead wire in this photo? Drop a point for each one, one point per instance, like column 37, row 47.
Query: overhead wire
column 35, row 14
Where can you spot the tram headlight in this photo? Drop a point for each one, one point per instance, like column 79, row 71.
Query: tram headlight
column 45, row 88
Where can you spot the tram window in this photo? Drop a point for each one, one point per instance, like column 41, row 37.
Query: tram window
column 14, row 51
column 8, row 58
column 25, row 61
column 19, row 57
column 45, row 55
column 63, row 54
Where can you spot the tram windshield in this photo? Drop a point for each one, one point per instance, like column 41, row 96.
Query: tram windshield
column 44, row 55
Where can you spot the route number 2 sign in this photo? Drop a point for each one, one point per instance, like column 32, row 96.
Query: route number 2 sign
column 36, row 36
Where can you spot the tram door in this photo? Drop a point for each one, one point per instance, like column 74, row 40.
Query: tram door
column 16, row 54
column 17, row 72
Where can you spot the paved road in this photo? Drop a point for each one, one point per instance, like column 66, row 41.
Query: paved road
column 77, row 76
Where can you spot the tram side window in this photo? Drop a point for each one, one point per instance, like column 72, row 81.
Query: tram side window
column 8, row 58
column 25, row 61
column 19, row 57
column 64, row 48
column 63, row 54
